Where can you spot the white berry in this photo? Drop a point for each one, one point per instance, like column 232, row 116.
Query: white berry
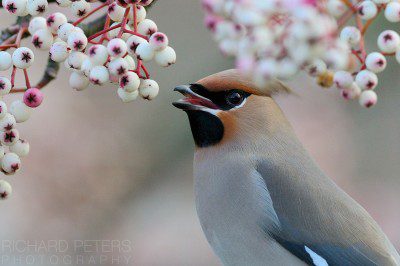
column 64, row 3
column 9, row 137
column 336, row 7
column 7, row 122
column 366, row 80
column 77, row 41
column 86, row 67
column 118, row 67
column 10, row 163
column 133, row 42
column 80, row 8
column 23, row 57
column 368, row 98
column 5, row 61
column 55, row 20
column 5, row 86
column 116, row 47
column 350, row 35
column 36, row 7
column 37, row 23
column 65, row 30
column 165, row 57
column 376, row 62
column 16, row 7
column 98, row 54
column 158, row 41
column 126, row 96
column 392, row 12
column 20, row 147
column 99, row 75
column 5, row 190
column 144, row 52
column 59, row 52
column 343, row 79
column 3, row 109
column 78, row 81
column 116, row 12
column 367, row 10
column 20, row 111
column 75, row 60
column 388, row 41
column 147, row 27
column 42, row 39
column 148, row 89
column 129, row 82
column 351, row 92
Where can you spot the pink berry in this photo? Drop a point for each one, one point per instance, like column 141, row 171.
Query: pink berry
column 158, row 41
column 33, row 97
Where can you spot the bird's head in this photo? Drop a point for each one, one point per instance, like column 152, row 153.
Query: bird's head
column 228, row 106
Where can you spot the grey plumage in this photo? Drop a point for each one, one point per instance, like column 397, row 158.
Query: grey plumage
column 262, row 200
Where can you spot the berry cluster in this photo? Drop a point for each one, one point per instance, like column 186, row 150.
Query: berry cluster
column 116, row 53
column 360, row 79
column 12, row 147
column 279, row 38
column 274, row 38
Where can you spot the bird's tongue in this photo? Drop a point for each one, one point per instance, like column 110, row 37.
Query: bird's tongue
column 201, row 102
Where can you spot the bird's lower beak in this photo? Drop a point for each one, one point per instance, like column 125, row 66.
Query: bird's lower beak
column 193, row 101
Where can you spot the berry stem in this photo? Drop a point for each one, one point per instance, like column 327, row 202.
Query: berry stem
column 362, row 41
column 16, row 38
column 124, row 21
column 89, row 14
column 28, row 84
column 134, row 10
column 137, row 34
column 145, row 71
column 104, row 31
column 20, row 34
column 14, row 72
column 106, row 26
column 345, row 18
column 7, row 46
column 350, row 5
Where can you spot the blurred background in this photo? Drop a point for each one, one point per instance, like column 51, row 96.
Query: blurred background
column 103, row 170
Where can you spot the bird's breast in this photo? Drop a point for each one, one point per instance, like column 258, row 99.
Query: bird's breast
column 235, row 210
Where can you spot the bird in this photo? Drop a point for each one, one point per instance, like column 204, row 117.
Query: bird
column 260, row 197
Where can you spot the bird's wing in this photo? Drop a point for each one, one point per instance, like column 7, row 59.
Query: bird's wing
column 319, row 220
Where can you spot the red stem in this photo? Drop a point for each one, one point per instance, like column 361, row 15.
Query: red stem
column 7, row 46
column 104, row 31
column 28, row 84
column 124, row 21
column 106, row 26
column 89, row 14
column 134, row 7
column 14, row 71
column 362, row 41
column 145, row 71
column 137, row 34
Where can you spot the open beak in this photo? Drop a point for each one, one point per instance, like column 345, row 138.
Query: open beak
column 192, row 100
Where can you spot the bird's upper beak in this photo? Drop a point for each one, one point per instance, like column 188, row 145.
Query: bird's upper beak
column 193, row 101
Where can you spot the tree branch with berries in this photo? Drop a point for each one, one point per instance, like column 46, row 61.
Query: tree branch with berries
column 326, row 39
column 107, row 43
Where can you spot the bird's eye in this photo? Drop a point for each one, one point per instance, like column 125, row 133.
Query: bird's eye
column 234, row 98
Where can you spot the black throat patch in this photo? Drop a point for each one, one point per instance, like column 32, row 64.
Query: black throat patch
column 207, row 129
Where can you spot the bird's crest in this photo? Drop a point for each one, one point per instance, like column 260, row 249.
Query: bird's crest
column 233, row 79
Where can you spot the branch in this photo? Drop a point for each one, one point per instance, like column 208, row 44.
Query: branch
column 52, row 68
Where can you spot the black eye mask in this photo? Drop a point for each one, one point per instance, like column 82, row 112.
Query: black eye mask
column 225, row 100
